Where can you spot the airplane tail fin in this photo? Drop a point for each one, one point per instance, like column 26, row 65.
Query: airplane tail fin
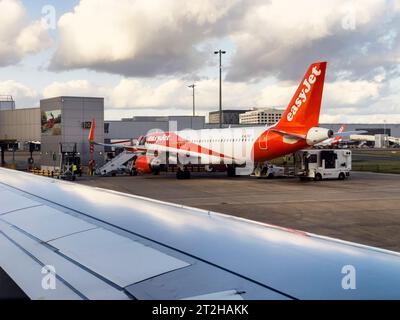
column 302, row 113
column 338, row 138
column 91, row 132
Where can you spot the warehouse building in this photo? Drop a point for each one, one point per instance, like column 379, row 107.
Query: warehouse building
column 16, row 125
column 128, row 128
column 7, row 102
column 20, row 124
column 391, row 129
column 228, row 116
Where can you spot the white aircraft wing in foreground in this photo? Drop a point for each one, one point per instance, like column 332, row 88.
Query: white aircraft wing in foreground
column 101, row 244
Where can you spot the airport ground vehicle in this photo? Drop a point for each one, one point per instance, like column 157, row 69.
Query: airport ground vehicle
column 323, row 164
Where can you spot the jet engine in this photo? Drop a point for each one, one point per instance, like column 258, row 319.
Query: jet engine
column 147, row 164
column 316, row 134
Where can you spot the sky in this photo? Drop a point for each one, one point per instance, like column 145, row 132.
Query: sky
column 141, row 55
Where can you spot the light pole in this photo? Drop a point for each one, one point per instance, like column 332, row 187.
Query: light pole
column 194, row 107
column 384, row 133
column 220, row 52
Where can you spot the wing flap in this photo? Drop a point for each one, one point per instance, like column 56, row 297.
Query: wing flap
column 15, row 202
column 132, row 262
column 71, row 276
column 46, row 224
column 27, row 273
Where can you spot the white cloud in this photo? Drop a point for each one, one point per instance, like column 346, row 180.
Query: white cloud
column 347, row 92
column 174, row 94
column 24, row 96
column 33, row 38
column 137, row 37
column 377, row 102
column 276, row 95
column 133, row 93
column 343, row 101
column 74, row 88
column 397, row 5
column 18, row 37
column 279, row 36
column 276, row 37
column 338, row 94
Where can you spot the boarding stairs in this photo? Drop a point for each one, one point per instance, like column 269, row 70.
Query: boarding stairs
column 115, row 164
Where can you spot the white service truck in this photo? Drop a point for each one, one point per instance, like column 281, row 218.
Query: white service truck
column 319, row 164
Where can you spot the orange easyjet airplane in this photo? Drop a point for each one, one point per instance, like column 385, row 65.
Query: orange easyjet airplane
column 239, row 150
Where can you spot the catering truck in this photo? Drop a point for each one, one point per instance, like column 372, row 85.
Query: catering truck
column 323, row 164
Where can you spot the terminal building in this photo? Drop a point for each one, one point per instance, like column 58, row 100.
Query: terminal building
column 128, row 128
column 391, row 129
column 7, row 103
column 261, row 116
column 20, row 124
column 228, row 116
column 65, row 124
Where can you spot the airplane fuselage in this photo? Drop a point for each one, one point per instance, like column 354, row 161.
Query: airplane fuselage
column 224, row 146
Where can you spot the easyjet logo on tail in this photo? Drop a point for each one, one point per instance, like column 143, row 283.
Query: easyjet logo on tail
column 302, row 97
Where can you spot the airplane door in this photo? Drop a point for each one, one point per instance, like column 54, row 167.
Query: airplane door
column 263, row 141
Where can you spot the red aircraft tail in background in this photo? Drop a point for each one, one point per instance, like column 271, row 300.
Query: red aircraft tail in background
column 337, row 139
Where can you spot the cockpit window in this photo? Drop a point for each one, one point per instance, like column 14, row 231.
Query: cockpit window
column 142, row 140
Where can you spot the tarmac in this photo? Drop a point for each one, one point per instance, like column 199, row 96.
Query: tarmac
column 9, row 290
column 363, row 209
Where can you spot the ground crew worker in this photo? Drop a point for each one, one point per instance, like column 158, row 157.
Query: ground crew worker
column 74, row 169
column 91, row 167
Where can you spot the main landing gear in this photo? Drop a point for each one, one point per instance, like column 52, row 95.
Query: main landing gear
column 183, row 173
column 231, row 170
